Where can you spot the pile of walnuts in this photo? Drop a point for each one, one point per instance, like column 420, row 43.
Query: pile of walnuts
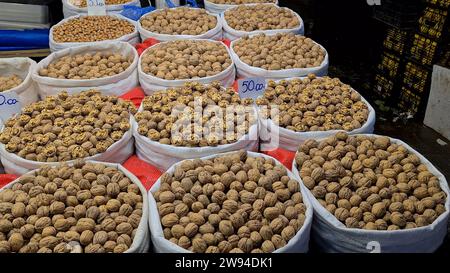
column 179, row 21
column 83, row 3
column 9, row 82
column 92, row 29
column 170, row 116
column 279, row 52
column 368, row 182
column 314, row 104
column 261, row 17
column 240, row 2
column 230, row 204
column 186, row 59
column 87, row 207
column 62, row 128
column 87, row 66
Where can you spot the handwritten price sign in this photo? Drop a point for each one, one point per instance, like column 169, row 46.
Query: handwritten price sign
column 9, row 105
column 96, row 7
column 251, row 88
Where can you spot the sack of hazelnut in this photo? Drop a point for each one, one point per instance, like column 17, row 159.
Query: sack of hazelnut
column 239, row 202
column 245, row 20
column 278, row 56
column 219, row 6
column 180, row 23
column 16, row 82
column 372, row 193
column 173, row 63
column 90, row 30
column 79, row 7
column 64, row 128
column 193, row 121
column 84, row 207
column 294, row 110
column 110, row 67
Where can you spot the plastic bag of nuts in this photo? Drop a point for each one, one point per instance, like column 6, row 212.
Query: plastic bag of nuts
column 311, row 108
column 15, row 77
column 374, row 193
column 219, row 6
column 78, row 7
column 90, row 30
column 245, row 20
column 278, row 56
column 113, row 71
column 64, row 128
column 173, row 63
column 214, row 118
column 180, row 23
column 229, row 203
column 90, row 207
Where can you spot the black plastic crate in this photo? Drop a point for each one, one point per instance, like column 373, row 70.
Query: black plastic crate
column 401, row 14
column 383, row 87
column 423, row 49
column 409, row 102
column 439, row 3
column 416, row 78
column 396, row 40
column 389, row 64
column 432, row 22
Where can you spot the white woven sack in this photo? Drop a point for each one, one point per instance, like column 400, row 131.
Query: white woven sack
column 290, row 140
column 298, row 244
column 246, row 71
column 132, row 38
column 163, row 156
column 70, row 9
column 119, row 152
column 23, row 67
column 113, row 85
column 233, row 34
column 219, row 8
column 333, row 236
column 141, row 239
column 151, row 84
column 213, row 34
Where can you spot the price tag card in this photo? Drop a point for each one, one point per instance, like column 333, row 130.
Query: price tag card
column 9, row 105
column 96, row 7
column 251, row 88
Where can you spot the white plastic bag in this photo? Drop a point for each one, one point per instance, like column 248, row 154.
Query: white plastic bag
column 141, row 239
column 27, row 91
column 151, row 84
column 219, row 8
column 233, row 34
column 283, row 138
column 119, row 152
column 246, row 71
column 333, row 236
column 163, row 156
column 298, row 244
column 132, row 38
column 213, row 34
column 112, row 85
column 70, row 9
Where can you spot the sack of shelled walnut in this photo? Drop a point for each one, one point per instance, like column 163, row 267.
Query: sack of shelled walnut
column 311, row 108
column 219, row 6
column 372, row 194
column 278, row 56
column 180, row 23
column 193, row 121
column 64, row 128
column 110, row 67
column 15, row 77
column 244, row 20
column 239, row 202
column 81, row 30
column 84, row 207
column 79, row 7
column 173, row 63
